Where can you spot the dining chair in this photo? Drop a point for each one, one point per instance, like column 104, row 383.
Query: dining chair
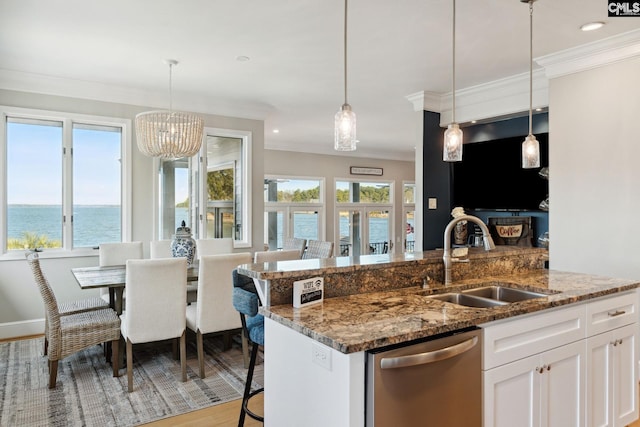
column 70, row 333
column 162, row 249
column 271, row 256
column 246, row 302
column 156, row 295
column 213, row 310
column 318, row 249
column 294, row 243
column 214, row 246
column 117, row 254
column 71, row 307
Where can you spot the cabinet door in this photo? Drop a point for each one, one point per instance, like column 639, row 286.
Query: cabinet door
column 625, row 391
column 599, row 381
column 563, row 386
column 612, row 389
column 512, row 394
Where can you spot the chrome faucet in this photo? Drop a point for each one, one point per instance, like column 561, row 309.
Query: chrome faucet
column 446, row 257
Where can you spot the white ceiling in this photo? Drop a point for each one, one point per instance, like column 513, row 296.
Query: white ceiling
column 114, row 50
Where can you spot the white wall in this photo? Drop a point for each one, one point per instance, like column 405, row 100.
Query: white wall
column 331, row 167
column 594, row 166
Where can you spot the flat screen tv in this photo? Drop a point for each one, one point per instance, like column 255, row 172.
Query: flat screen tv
column 490, row 176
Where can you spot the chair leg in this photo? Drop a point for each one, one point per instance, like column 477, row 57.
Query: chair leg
column 53, row 373
column 245, row 349
column 183, row 355
column 46, row 345
column 115, row 349
column 226, row 340
column 200, row 345
column 129, row 365
column 247, row 387
column 174, row 348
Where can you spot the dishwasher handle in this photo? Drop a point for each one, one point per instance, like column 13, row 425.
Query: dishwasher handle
column 428, row 357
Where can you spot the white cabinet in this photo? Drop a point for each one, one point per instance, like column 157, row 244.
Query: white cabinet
column 612, row 386
column 542, row 390
column 571, row 366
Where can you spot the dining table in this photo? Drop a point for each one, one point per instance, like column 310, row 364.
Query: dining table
column 114, row 278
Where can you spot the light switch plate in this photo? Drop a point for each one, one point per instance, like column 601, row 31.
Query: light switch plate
column 433, row 203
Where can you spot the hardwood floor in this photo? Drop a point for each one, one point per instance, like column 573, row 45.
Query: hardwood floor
column 225, row 414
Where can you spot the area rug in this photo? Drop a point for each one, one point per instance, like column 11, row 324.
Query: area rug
column 87, row 394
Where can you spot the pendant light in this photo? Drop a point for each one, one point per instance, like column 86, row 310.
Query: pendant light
column 169, row 134
column 452, row 150
column 345, row 119
column 530, row 146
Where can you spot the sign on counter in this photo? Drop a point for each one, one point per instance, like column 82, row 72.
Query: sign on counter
column 308, row 292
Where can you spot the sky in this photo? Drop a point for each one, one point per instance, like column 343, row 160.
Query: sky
column 34, row 165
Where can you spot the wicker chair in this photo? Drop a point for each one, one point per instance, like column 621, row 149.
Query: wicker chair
column 73, row 332
column 71, row 307
column 294, row 243
column 318, row 249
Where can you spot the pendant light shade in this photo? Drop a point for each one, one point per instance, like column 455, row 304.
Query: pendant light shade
column 345, row 119
column 169, row 134
column 452, row 147
column 530, row 146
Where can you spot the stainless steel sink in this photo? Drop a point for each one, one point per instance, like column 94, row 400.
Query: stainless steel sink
column 467, row 300
column 502, row 293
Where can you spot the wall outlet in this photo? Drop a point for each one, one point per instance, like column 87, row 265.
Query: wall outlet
column 433, row 203
column 321, row 356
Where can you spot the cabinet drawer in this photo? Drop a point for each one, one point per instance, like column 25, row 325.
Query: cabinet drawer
column 506, row 341
column 609, row 313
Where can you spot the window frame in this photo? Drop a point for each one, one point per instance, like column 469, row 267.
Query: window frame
column 406, row 208
column 67, row 119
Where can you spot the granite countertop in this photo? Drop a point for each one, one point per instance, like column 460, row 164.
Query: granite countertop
column 371, row 320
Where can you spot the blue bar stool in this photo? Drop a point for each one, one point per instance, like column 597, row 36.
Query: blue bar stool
column 245, row 300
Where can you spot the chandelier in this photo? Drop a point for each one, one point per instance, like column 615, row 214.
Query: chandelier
column 345, row 119
column 169, row 134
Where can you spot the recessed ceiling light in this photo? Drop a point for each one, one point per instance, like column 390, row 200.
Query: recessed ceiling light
column 538, row 109
column 276, row 131
column 474, row 121
column 242, row 58
column 590, row 26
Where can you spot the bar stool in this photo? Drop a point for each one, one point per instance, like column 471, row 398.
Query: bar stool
column 245, row 300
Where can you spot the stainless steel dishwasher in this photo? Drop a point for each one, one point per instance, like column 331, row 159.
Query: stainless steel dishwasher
column 437, row 382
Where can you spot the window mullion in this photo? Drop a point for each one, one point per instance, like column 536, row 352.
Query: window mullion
column 67, row 184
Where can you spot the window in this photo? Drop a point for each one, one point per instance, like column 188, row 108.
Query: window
column 293, row 208
column 364, row 216
column 64, row 187
column 211, row 192
column 409, row 212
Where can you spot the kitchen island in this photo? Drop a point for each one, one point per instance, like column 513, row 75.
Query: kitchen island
column 315, row 356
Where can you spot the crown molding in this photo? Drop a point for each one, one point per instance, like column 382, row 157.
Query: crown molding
column 592, row 55
column 425, row 101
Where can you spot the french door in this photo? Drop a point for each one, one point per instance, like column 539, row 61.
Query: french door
column 364, row 230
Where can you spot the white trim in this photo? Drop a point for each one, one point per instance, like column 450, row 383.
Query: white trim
column 592, row 55
column 22, row 328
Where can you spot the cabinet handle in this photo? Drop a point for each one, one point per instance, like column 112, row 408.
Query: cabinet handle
column 616, row 313
column 614, row 343
column 540, row 370
column 620, row 341
column 548, row 367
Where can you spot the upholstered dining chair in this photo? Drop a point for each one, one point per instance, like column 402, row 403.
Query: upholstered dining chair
column 294, row 243
column 213, row 310
column 271, row 256
column 162, row 249
column 117, row 254
column 318, row 249
column 156, row 295
column 70, row 333
column 246, row 302
column 214, row 246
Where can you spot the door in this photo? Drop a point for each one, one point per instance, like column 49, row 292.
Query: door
column 625, row 392
column 364, row 231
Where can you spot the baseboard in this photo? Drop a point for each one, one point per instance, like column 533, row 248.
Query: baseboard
column 21, row 329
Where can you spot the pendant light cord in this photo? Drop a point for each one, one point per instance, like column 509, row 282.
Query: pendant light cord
column 453, row 94
column 170, row 94
column 345, row 51
column 530, row 67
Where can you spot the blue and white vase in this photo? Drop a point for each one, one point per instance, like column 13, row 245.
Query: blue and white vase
column 183, row 244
